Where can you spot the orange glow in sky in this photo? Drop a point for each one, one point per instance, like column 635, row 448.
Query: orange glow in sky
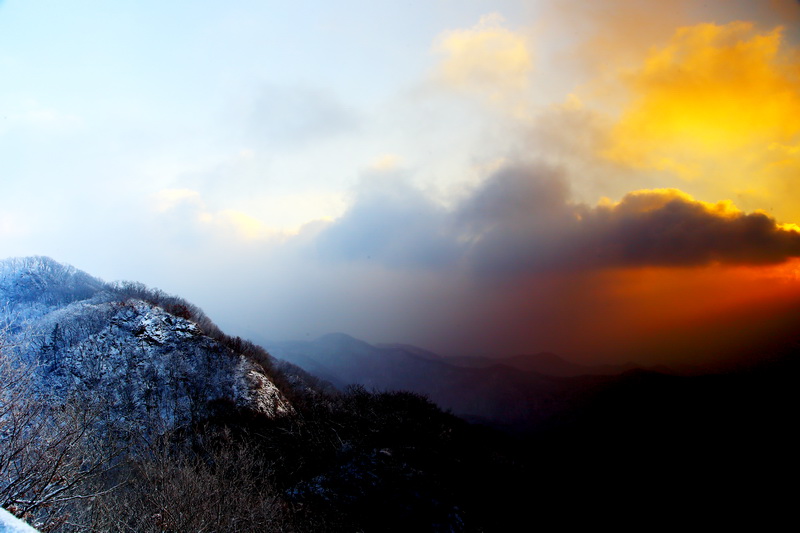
column 608, row 180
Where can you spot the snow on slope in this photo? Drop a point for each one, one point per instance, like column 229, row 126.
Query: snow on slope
column 131, row 359
column 11, row 524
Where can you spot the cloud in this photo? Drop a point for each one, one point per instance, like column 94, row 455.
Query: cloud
column 786, row 10
column 486, row 59
column 522, row 257
column 712, row 91
column 713, row 106
column 185, row 214
column 168, row 199
column 515, row 221
column 521, row 221
column 12, row 225
column 295, row 116
column 517, row 265
column 613, row 33
column 669, row 228
column 390, row 222
column 232, row 222
column 386, row 163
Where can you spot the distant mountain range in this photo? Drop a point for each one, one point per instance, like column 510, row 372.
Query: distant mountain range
column 545, row 363
column 536, row 393
column 523, row 390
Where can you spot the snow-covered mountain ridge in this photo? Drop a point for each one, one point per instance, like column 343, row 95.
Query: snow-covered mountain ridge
column 125, row 347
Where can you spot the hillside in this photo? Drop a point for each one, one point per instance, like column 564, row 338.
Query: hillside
column 123, row 408
column 144, row 357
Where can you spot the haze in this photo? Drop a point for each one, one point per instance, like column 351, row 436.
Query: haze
column 610, row 181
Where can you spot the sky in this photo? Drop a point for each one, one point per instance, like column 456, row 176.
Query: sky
column 611, row 181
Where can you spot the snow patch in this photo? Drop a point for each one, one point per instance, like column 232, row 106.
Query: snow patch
column 11, row 524
column 265, row 397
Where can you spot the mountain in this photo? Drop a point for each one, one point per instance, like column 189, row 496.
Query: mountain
column 98, row 380
column 126, row 409
column 630, row 442
column 545, row 363
column 526, row 395
column 479, row 389
column 410, row 349
column 141, row 352
column 345, row 360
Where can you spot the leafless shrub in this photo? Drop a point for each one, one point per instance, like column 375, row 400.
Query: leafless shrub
column 222, row 488
column 49, row 457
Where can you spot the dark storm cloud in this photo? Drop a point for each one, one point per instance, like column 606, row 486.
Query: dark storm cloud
column 521, row 220
column 516, row 221
column 671, row 229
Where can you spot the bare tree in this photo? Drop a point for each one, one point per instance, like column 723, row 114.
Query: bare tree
column 45, row 447
column 223, row 485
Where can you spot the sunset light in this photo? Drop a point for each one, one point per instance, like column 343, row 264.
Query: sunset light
column 619, row 169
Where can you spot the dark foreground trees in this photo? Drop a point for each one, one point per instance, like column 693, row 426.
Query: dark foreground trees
column 353, row 461
column 357, row 461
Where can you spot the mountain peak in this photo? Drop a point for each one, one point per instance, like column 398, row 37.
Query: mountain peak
column 87, row 337
column 340, row 339
column 42, row 279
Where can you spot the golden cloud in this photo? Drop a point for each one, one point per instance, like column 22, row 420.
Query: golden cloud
column 487, row 59
column 718, row 103
column 647, row 201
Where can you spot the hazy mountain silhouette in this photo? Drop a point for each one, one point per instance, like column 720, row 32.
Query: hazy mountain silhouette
column 545, row 363
column 522, row 391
